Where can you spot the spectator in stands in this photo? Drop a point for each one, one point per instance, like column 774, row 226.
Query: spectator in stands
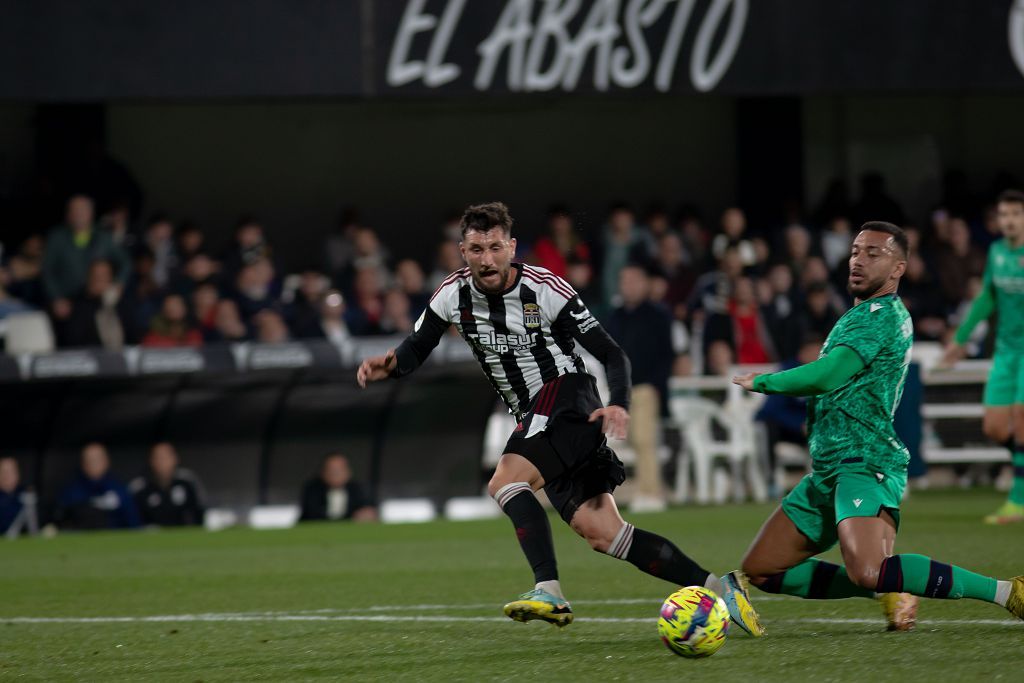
column 9, row 304
column 622, row 243
column 366, row 305
column 334, row 495
column 709, row 302
column 835, row 242
column 95, row 499
column 159, row 241
column 956, row 261
column 254, row 288
column 657, row 222
column 819, row 312
column 228, row 323
column 270, row 327
column 167, row 495
column 734, row 234
column 696, row 240
column 797, row 247
column 396, row 316
column 172, row 327
column 749, row 333
column 643, row 330
column 331, row 325
column 449, row 259
column 339, row 248
column 410, row 278
column 98, row 316
column 719, row 359
column 25, row 268
column 249, row 246
column 780, row 312
column 923, row 302
column 142, row 297
column 679, row 277
column 204, row 309
column 303, row 297
column 117, row 221
column 561, row 243
column 11, row 491
column 191, row 241
column 197, row 268
column 70, row 248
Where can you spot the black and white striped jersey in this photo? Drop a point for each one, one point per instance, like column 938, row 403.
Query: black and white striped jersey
column 523, row 337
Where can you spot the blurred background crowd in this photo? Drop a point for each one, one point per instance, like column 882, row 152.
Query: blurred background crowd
column 733, row 292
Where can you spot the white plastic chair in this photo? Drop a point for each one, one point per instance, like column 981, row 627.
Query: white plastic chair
column 407, row 510
column 29, row 332
column 695, row 418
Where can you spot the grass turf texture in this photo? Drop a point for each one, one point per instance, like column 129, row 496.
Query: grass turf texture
column 278, row 603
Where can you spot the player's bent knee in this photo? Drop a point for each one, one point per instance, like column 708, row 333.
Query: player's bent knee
column 864, row 574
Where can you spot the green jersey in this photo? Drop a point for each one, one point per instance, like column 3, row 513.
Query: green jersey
column 1003, row 293
column 852, row 425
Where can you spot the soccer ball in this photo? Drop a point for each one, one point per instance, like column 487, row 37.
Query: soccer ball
column 693, row 622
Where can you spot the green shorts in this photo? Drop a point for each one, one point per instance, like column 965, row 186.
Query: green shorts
column 822, row 500
column 1005, row 384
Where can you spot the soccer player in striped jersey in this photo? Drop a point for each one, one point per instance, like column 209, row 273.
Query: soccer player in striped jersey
column 523, row 324
column 858, row 464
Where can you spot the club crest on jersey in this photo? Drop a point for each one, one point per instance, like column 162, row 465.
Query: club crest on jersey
column 531, row 316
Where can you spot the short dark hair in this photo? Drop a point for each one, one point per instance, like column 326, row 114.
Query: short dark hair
column 898, row 235
column 484, row 217
column 1011, row 197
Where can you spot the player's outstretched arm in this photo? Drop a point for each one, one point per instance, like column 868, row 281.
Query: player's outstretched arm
column 820, row 377
column 409, row 355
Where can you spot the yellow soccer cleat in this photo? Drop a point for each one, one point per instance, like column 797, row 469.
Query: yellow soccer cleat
column 1007, row 514
column 1015, row 603
column 735, row 593
column 900, row 610
column 539, row 604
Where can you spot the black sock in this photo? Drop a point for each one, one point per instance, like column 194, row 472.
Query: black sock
column 532, row 529
column 657, row 556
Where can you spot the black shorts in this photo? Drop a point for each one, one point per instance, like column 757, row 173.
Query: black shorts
column 571, row 453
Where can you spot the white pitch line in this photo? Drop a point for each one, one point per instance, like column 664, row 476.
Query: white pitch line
column 265, row 617
column 490, row 605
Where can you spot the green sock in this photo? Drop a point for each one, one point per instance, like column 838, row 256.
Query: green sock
column 1017, row 491
column 927, row 578
column 815, row 580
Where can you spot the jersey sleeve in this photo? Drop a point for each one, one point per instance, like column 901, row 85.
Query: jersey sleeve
column 427, row 332
column 982, row 307
column 575, row 319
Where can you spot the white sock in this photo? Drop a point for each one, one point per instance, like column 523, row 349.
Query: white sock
column 552, row 587
column 714, row 584
column 1003, row 592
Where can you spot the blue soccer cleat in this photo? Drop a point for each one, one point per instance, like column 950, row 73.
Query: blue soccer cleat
column 735, row 593
column 539, row 604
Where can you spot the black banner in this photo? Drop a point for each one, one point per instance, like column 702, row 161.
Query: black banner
column 112, row 49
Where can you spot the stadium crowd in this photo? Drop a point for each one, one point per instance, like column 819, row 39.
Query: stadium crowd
column 734, row 292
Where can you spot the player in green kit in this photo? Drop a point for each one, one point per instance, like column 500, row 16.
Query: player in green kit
column 1003, row 293
column 859, row 466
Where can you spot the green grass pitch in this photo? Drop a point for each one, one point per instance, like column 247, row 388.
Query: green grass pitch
column 423, row 602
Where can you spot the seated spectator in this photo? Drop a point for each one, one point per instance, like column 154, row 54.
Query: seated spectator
column 734, row 234
column 95, row 499
column 167, row 495
column 957, row 261
column 142, row 297
column 410, row 278
column 254, row 288
column 679, row 277
column 749, row 333
column 819, row 314
column 205, row 298
column 270, row 327
column 70, row 249
column 8, row 303
column 25, row 268
column 191, row 241
column 334, row 495
column 719, row 359
column 562, row 242
column 449, row 259
column 99, row 315
column 228, row 324
column 11, row 491
column 117, row 221
column 171, row 327
column 396, row 317
column 249, row 246
column 331, row 325
column 159, row 241
column 303, row 295
column 779, row 309
column 197, row 268
column 926, row 307
column 366, row 305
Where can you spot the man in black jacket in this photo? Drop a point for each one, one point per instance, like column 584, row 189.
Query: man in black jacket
column 167, row 495
column 334, row 495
